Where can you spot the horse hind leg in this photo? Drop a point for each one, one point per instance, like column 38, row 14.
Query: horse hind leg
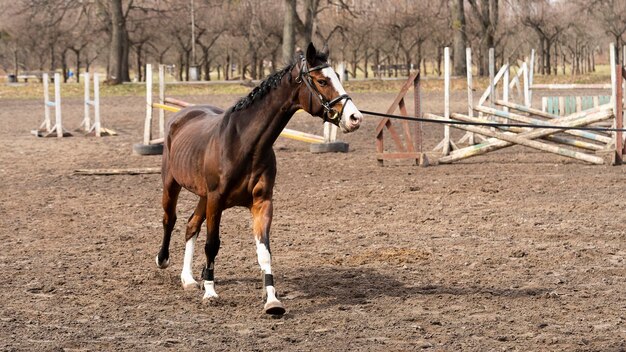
column 191, row 235
column 211, row 248
column 171, row 190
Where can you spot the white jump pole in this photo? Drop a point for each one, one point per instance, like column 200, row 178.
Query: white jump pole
column 161, row 101
column 57, row 105
column 492, row 75
column 614, row 84
column 147, row 129
column 446, row 88
column 505, row 86
column 531, row 75
column 97, row 126
column 330, row 130
column 47, row 103
column 470, row 92
column 526, row 84
column 96, row 104
column 86, row 118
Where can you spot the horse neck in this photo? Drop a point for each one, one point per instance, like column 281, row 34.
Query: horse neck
column 260, row 124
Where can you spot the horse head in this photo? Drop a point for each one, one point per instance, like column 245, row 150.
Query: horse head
column 322, row 94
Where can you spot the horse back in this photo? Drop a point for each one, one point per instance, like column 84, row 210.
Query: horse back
column 188, row 136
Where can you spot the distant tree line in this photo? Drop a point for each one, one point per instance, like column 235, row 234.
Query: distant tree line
column 246, row 39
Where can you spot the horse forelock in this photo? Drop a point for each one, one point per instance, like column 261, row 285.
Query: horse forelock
column 262, row 89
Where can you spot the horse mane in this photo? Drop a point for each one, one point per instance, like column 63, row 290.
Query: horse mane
column 262, row 89
column 270, row 82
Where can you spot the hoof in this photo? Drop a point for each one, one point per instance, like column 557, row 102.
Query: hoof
column 192, row 285
column 164, row 264
column 274, row 308
column 210, row 297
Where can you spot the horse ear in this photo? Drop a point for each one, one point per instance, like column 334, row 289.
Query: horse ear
column 325, row 50
column 311, row 53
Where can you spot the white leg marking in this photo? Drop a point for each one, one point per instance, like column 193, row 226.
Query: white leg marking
column 186, row 276
column 265, row 261
column 209, row 290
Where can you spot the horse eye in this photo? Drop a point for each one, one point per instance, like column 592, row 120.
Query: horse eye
column 322, row 82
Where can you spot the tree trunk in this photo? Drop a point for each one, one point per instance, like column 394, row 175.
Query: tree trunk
column 460, row 37
column 254, row 63
column 138, row 62
column 77, row 53
column 310, row 8
column 64, row 65
column 117, row 47
column 289, row 31
column 548, row 59
column 366, row 63
column 15, row 62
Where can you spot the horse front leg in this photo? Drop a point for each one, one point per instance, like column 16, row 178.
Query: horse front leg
column 211, row 248
column 191, row 235
column 262, row 210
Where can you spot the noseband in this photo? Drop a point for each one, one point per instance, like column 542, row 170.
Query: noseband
column 330, row 114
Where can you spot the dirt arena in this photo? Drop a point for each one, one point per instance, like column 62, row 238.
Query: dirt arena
column 518, row 250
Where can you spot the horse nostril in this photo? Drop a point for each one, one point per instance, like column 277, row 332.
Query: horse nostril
column 354, row 119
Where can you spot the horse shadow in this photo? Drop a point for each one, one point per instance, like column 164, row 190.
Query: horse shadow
column 353, row 286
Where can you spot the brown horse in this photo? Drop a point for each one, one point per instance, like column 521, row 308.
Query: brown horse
column 226, row 158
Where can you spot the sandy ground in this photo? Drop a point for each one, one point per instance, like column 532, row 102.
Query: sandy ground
column 517, row 250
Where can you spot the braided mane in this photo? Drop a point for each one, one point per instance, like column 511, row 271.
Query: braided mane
column 262, row 89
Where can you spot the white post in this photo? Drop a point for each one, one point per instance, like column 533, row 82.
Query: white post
column 86, row 118
column 46, row 101
column 492, row 73
column 614, row 84
column 162, row 100
column 147, row 127
column 96, row 103
column 330, row 130
column 446, row 88
column 505, row 86
column 57, row 105
column 333, row 128
column 613, row 77
column 531, row 74
column 470, row 93
column 526, row 85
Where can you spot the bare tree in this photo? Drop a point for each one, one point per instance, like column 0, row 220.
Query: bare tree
column 458, row 25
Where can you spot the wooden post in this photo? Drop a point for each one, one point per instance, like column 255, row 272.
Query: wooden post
column 417, row 99
column 147, row 127
column 619, row 118
column 527, row 101
column 446, row 132
column 492, row 75
column 531, row 75
column 86, row 118
column 96, row 104
column 470, row 92
column 162, row 101
column 57, row 105
column 614, row 87
column 46, row 102
column 505, row 86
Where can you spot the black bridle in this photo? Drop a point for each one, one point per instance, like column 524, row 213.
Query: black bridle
column 330, row 114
